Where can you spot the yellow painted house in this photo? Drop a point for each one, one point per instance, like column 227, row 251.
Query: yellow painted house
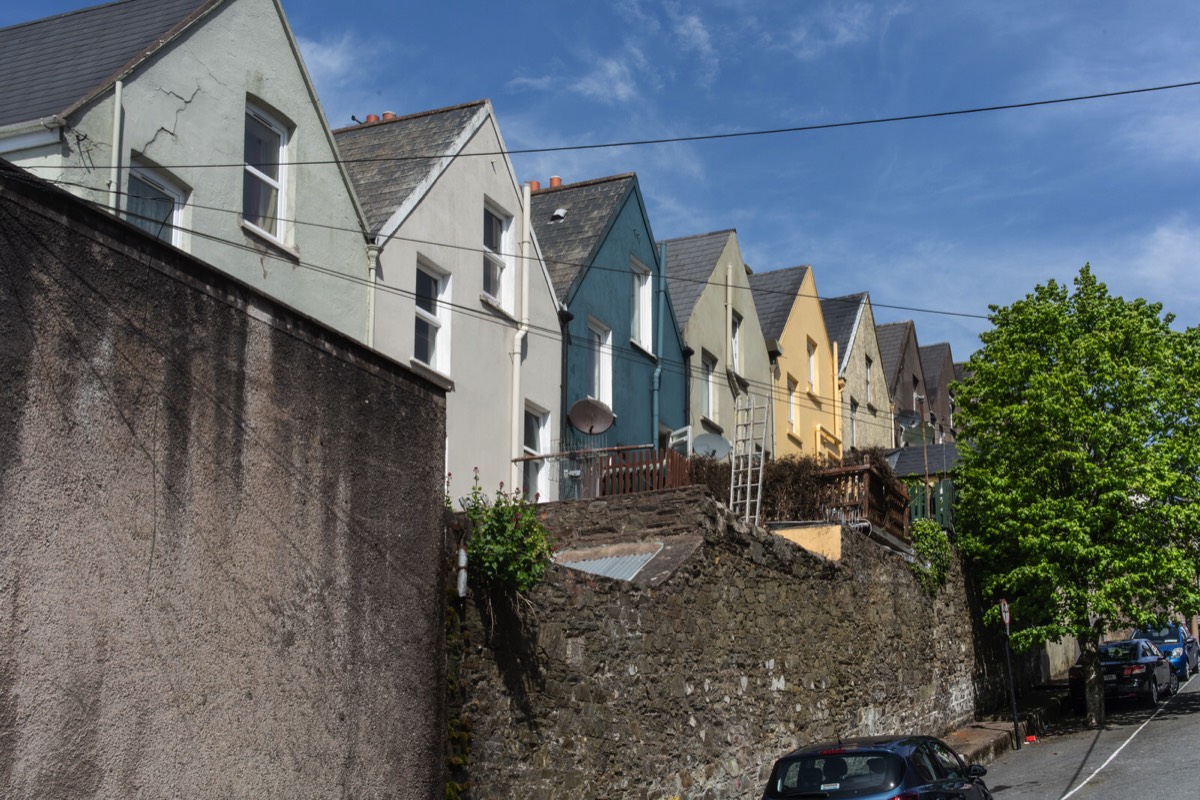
column 807, row 416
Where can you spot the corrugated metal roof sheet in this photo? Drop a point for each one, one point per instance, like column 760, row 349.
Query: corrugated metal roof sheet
column 618, row 567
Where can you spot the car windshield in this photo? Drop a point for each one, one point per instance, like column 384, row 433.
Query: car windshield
column 1121, row 651
column 1167, row 635
column 836, row 774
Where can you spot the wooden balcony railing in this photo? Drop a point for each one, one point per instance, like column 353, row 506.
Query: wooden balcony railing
column 862, row 494
column 611, row 471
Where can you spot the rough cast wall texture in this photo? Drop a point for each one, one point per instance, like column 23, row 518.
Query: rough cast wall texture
column 693, row 687
column 221, row 533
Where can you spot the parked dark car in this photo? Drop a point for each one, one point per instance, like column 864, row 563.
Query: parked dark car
column 1132, row 668
column 1177, row 644
column 877, row 768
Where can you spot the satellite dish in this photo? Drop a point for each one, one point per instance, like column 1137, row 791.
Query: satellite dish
column 711, row 445
column 591, row 416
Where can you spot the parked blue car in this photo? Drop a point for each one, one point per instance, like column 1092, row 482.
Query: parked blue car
column 876, row 768
column 1177, row 644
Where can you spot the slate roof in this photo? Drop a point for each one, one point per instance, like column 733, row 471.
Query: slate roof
column 933, row 357
column 53, row 65
column 690, row 264
column 388, row 160
column 841, row 315
column 908, row 462
column 569, row 244
column 774, row 295
column 892, row 337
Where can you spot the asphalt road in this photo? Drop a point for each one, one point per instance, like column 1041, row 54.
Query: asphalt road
column 1139, row 753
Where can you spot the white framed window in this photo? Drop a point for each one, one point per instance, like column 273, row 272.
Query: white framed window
column 496, row 248
column 599, row 364
column 534, row 474
column 155, row 205
column 735, row 343
column 708, row 377
column 853, row 422
column 431, row 334
column 642, row 306
column 812, row 366
column 792, row 390
column 264, row 184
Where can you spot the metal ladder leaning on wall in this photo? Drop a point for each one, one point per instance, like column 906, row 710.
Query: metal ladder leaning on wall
column 745, row 480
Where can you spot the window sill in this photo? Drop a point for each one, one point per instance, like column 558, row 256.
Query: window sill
column 711, row 426
column 791, row 435
column 494, row 305
column 640, row 349
column 871, row 408
column 432, row 375
column 736, row 381
column 262, row 236
column 812, row 395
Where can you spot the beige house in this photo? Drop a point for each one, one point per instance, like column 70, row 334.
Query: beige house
column 461, row 292
column 710, row 291
column 196, row 121
column 865, row 408
column 807, row 397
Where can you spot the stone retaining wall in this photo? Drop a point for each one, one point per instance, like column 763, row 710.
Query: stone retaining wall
column 692, row 686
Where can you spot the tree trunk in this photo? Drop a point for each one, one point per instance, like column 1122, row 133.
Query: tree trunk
column 1093, row 678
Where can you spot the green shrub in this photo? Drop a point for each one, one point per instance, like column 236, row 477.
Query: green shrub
column 508, row 546
column 932, row 547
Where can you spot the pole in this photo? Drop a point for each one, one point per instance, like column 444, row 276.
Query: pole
column 1012, row 691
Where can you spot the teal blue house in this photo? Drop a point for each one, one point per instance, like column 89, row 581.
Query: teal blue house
column 621, row 342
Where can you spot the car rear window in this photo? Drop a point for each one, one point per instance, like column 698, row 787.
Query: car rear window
column 836, row 775
column 1167, row 635
column 1125, row 651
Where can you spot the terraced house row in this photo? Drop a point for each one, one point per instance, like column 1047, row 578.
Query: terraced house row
column 561, row 327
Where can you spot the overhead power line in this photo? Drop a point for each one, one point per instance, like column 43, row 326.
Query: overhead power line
column 711, row 137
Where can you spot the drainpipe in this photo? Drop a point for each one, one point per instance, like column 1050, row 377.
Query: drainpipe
column 373, row 251
column 658, row 343
column 518, row 409
column 114, row 175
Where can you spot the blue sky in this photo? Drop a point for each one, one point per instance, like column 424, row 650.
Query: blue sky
column 950, row 214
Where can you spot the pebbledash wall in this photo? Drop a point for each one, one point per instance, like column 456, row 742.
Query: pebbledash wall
column 221, row 534
column 728, row 649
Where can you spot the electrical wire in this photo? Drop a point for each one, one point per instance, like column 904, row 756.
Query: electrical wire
column 710, row 137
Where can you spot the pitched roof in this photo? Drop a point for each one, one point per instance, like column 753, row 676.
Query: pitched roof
column 388, row 160
column 53, row 65
column 908, row 462
column 775, row 293
column 690, row 264
column 892, row 338
column 841, row 317
column 569, row 243
column 933, row 357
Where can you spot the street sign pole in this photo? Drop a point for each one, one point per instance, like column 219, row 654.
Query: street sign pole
column 1012, row 686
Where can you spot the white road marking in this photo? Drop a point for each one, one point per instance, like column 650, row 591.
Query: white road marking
column 1117, row 752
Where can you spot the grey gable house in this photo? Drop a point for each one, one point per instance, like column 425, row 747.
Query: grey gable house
column 710, row 290
column 906, row 382
column 866, row 408
column 461, row 293
column 196, row 121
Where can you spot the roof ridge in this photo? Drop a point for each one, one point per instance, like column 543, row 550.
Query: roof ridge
column 699, row 235
column 589, row 182
column 417, row 115
column 52, row 17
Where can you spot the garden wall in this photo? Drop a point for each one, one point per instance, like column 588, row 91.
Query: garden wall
column 729, row 649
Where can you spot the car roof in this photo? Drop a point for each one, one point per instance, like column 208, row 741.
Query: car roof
column 898, row 744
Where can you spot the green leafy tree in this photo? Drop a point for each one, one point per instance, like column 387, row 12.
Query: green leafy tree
column 1078, row 490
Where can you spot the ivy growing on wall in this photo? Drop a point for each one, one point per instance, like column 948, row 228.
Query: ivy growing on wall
column 932, row 547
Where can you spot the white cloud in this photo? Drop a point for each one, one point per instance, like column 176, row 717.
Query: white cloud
column 613, row 79
column 1166, row 267
column 330, row 62
column 695, row 38
column 830, row 29
column 1169, row 135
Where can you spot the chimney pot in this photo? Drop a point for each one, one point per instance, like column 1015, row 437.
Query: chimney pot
column 372, row 118
column 535, row 186
column 555, row 181
column 389, row 115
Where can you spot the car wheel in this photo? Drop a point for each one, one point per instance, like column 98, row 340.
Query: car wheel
column 1152, row 693
column 1173, row 687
